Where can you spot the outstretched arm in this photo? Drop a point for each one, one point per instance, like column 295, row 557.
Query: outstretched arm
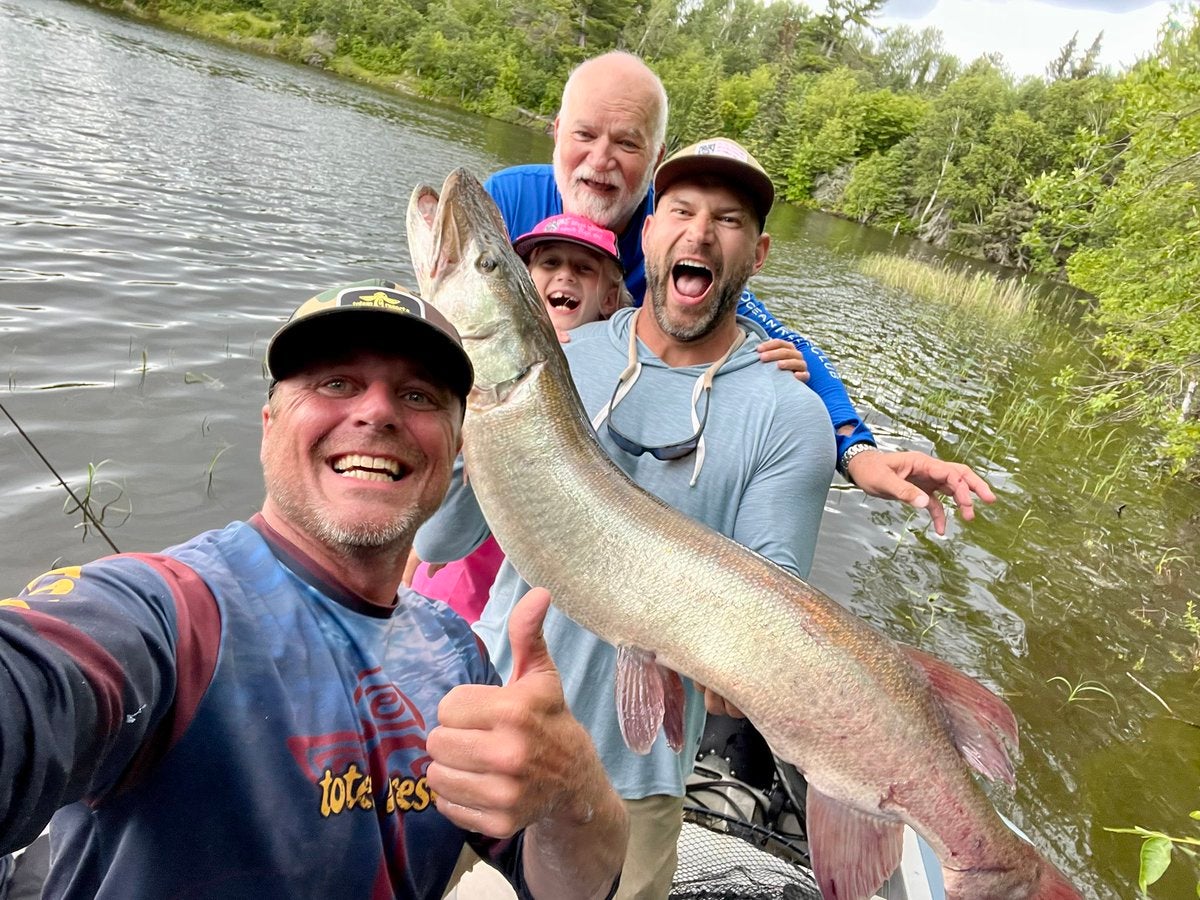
column 511, row 758
column 917, row 478
column 87, row 671
column 909, row 476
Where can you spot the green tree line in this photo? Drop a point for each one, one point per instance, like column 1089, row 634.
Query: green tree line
column 1082, row 173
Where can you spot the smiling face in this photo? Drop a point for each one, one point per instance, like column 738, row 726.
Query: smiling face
column 605, row 142
column 357, row 452
column 578, row 285
column 701, row 245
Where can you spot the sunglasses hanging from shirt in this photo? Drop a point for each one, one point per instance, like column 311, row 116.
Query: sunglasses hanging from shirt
column 625, row 382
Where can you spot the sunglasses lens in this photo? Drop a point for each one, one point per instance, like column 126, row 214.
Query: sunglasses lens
column 633, row 449
column 675, row 451
column 669, row 452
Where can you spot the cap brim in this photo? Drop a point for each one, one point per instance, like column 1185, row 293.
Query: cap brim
column 741, row 176
column 524, row 246
column 333, row 333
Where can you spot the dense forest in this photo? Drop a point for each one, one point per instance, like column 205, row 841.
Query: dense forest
column 1083, row 174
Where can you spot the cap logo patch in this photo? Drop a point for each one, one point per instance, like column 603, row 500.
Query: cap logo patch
column 380, row 298
column 722, row 148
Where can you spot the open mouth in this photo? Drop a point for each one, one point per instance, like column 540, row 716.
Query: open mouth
column 692, row 279
column 368, row 468
column 561, row 300
column 600, row 187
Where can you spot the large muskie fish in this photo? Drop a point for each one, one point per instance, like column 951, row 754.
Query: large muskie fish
column 880, row 730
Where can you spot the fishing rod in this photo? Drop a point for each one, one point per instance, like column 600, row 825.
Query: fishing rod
column 86, row 510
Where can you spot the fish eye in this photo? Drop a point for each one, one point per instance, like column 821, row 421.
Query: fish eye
column 487, row 262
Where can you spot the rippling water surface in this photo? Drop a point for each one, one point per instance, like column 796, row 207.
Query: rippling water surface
column 165, row 201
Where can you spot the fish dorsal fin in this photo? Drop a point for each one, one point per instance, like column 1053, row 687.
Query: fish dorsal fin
column 853, row 852
column 981, row 724
column 648, row 695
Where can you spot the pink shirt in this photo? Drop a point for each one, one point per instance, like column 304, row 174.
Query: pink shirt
column 465, row 583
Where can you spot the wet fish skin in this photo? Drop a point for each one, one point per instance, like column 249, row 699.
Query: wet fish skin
column 877, row 728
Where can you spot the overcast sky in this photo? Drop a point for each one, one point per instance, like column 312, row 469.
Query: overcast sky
column 1030, row 33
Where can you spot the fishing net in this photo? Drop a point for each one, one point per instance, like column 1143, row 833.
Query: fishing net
column 743, row 834
column 722, row 858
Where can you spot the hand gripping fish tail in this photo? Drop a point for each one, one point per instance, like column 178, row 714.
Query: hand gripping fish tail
column 883, row 733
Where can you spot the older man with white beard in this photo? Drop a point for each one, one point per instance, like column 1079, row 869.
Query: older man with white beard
column 609, row 136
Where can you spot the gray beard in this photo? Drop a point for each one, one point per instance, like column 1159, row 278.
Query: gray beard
column 346, row 540
column 365, row 537
column 604, row 213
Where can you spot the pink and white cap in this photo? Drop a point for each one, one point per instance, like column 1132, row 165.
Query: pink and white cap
column 574, row 230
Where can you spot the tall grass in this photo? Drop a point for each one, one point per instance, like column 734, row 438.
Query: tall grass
column 981, row 294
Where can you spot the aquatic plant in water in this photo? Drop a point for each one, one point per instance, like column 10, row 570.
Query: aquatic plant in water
column 1003, row 301
column 92, row 505
column 1081, row 689
column 1157, row 848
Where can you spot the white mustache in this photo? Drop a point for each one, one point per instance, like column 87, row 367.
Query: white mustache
column 584, row 172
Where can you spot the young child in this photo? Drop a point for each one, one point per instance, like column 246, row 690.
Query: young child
column 576, row 268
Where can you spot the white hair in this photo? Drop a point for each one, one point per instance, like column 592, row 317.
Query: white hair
column 658, row 127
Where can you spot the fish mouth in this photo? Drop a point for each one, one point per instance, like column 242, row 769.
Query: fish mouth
column 691, row 278
column 448, row 224
column 562, row 300
column 367, row 467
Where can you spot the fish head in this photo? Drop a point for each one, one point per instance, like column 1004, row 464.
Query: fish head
column 467, row 268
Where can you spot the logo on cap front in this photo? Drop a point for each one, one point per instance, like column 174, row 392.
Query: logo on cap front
column 722, row 148
column 379, row 298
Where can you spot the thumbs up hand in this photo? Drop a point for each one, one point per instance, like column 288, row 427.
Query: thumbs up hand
column 511, row 758
column 506, row 757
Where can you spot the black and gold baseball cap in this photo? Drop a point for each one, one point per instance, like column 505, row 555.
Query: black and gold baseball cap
column 374, row 314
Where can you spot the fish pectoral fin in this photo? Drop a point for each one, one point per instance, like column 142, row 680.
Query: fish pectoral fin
column 981, row 724
column 853, row 852
column 646, row 692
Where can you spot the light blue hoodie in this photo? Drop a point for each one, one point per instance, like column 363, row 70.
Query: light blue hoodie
column 768, row 463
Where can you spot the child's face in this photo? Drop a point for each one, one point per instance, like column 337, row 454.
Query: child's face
column 575, row 283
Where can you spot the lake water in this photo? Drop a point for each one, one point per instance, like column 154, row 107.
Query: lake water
column 165, row 201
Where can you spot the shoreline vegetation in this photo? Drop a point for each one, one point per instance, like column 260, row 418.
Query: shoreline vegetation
column 1004, row 303
column 1083, row 174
